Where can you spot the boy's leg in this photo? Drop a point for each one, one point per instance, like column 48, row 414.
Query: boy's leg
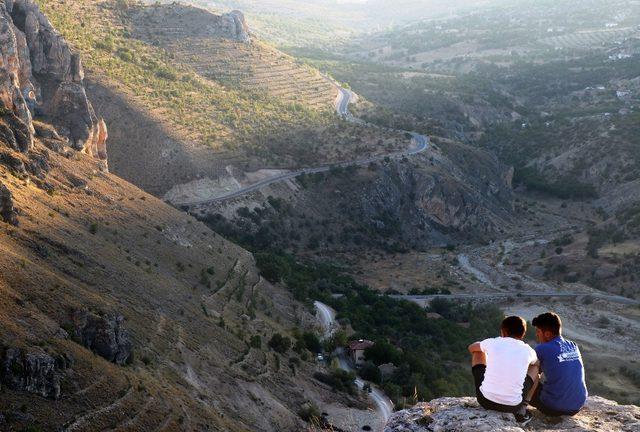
column 530, row 383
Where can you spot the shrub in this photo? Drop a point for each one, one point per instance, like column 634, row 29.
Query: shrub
column 279, row 343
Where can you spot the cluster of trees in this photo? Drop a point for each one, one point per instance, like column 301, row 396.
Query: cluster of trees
column 430, row 354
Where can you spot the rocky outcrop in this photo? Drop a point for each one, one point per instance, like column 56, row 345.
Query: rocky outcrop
column 33, row 371
column 235, row 26
column 464, row 414
column 50, row 54
column 76, row 119
column 13, row 68
column 34, row 56
column 15, row 133
column 103, row 334
column 424, row 206
column 8, row 213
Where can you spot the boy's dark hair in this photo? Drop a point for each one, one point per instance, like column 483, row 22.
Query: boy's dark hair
column 548, row 321
column 514, row 326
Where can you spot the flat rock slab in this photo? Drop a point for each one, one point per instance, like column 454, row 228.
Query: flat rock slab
column 464, row 414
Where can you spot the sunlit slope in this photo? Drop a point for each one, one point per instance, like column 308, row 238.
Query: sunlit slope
column 183, row 31
column 89, row 242
column 181, row 106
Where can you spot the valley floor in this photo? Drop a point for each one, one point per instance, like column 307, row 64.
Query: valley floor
column 514, row 272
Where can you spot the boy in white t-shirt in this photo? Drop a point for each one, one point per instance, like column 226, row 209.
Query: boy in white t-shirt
column 505, row 370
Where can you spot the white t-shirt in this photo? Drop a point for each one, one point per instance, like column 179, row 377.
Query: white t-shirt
column 508, row 360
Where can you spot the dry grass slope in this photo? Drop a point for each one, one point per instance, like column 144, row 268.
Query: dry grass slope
column 191, row 302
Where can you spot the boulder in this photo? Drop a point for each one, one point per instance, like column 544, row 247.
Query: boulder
column 103, row 334
column 33, row 371
column 8, row 213
column 464, row 414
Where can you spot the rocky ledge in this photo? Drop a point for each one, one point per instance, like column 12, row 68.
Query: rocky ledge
column 464, row 414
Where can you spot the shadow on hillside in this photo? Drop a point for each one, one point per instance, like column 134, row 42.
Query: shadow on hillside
column 145, row 151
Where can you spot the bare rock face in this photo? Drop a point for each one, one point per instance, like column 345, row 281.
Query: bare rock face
column 8, row 213
column 73, row 113
column 429, row 206
column 236, row 26
column 33, row 371
column 105, row 335
column 30, row 47
column 464, row 414
column 15, row 133
column 14, row 74
column 49, row 52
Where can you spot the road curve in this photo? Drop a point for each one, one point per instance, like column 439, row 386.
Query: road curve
column 327, row 318
column 326, row 315
column 419, row 143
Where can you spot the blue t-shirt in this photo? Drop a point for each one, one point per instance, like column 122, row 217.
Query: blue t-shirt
column 564, row 388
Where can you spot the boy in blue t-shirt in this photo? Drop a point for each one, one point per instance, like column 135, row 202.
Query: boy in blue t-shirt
column 563, row 391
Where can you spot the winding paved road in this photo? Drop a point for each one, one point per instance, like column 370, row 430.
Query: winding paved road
column 419, row 144
column 326, row 316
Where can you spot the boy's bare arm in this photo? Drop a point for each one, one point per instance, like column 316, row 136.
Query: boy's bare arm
column 475, row 347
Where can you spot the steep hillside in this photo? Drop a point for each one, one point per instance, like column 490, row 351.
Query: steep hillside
column 451, row 193
column 117, row 311
column 187, row 101
column 186, row 32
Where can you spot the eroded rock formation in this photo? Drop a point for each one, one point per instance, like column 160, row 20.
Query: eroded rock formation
column 464, row 414
column 76, row 119
column 236, row 26
column 8, row 213
column 103, row 334
column 33, row 56
column 33, row 371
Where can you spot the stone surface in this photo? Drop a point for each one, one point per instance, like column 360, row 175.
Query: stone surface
column 8, row 213
column 105, row 335
column 15, row 133
column 30, row 47
column 235, row 25
column 49, row 52
column 464, row 414
column 13, row 70
column 33, row 372
column 73, row 113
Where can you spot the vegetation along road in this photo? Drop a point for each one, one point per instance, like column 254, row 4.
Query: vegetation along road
column 383, row 404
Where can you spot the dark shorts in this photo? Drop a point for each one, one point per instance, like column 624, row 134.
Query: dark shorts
column 536, row 402
column 478, row 377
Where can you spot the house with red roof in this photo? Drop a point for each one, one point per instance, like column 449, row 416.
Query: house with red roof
column 356, row 350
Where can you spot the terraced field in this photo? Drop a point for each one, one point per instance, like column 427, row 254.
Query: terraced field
column 588, row 39
column 255, row 66
column 183, row 100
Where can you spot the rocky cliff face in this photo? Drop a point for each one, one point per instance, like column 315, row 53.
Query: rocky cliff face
column 33, row 371
column 105, row 335
column 40, row 76
column 464, row 414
